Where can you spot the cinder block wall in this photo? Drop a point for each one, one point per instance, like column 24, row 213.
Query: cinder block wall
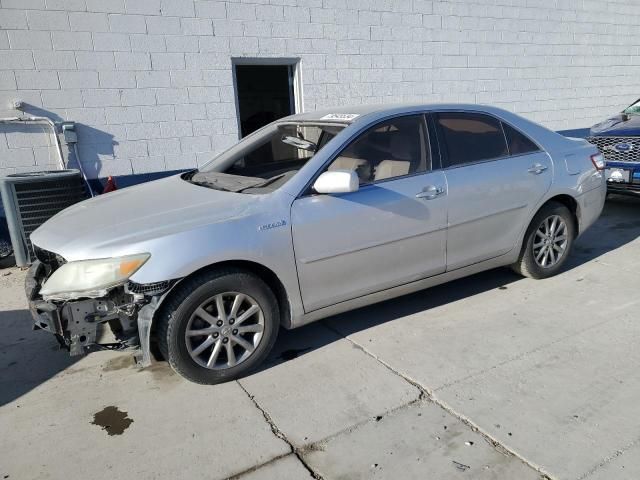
column 150, row 81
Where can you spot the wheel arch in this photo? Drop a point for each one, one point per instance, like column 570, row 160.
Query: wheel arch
column 264, row 273
column 568, row 201
column 521, row 265
column 562, row 198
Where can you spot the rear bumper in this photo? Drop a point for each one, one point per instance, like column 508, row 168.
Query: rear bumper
column 590, row 205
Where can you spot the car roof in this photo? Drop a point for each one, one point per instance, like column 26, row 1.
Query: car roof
column 351, row 114
column 368, row 114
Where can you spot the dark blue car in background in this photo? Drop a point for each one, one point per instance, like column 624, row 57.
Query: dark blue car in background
column 618, row 138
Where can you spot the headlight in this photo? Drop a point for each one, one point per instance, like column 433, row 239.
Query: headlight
column 91, row 278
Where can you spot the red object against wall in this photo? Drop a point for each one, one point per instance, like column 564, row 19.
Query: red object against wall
column 110, row 186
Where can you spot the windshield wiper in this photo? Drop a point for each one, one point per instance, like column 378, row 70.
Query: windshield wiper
column 266, row 182
column 208, row 184
column 224, row 181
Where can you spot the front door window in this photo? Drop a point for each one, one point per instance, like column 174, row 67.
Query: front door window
column 393, row 148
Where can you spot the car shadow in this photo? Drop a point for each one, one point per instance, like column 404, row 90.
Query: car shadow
column 27, row 358
column 618, row 225
column 297, row 342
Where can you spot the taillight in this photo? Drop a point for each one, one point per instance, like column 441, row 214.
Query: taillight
column 598, row 161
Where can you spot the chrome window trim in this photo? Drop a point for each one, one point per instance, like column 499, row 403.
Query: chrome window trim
column 391, row 179
column 497, row 159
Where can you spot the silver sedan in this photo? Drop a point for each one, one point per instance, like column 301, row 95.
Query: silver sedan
column 312, row 215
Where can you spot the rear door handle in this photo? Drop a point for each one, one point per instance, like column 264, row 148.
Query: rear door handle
column 430, row 192
column 537, row 168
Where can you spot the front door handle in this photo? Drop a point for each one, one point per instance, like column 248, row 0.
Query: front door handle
column 430, row 192
column 537, row 168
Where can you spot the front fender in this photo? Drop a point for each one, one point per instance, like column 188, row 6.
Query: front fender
column 261, row 237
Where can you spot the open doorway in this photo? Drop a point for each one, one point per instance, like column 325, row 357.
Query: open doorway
column 264, row 92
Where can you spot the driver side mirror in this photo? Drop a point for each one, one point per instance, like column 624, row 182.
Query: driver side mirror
column 337, row 181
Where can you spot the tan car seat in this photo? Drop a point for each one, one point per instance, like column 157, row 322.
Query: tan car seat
column 391, row 168
column 346, row 163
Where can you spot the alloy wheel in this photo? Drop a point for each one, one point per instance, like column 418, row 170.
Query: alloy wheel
column 224, row 330
column 550, row 241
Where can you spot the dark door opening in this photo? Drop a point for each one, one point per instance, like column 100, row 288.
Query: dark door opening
column 265, row 93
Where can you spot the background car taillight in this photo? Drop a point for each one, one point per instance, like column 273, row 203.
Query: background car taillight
column 598, row 161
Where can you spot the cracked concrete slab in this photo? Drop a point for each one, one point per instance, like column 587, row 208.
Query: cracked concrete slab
column 623, row 464
column 580, row 399
column 289, row 468
column 179, row 429
column 419, row 441
column 458, row 330
column 329, row 388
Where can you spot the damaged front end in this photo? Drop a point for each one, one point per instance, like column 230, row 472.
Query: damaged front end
column 117, row 316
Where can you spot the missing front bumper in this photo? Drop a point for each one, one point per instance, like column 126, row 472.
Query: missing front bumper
column 46, row 315
column 84, row 323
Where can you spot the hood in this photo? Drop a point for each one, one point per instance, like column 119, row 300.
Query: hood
column 113, row 223
column 618, row 126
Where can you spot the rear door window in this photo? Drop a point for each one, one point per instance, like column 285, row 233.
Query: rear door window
column 470, row 137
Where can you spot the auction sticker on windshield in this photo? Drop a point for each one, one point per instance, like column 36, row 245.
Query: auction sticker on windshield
column 340, row 116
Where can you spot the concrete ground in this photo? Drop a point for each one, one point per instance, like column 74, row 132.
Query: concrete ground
column 489, row 377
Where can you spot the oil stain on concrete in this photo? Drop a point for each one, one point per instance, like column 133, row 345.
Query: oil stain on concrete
column 112, row 420
column 119, row 363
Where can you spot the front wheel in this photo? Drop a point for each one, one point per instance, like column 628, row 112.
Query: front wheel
column 218, row 326
column 548, row 241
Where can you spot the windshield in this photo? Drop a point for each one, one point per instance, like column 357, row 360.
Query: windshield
column 267, row 159
column 633, row 109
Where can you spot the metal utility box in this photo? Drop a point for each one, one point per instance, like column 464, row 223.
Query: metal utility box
column 30, row 199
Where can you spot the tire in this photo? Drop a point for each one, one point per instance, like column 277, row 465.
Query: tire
column 194, row 305
column 527, row 265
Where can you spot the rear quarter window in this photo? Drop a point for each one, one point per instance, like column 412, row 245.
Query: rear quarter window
column 519, row 144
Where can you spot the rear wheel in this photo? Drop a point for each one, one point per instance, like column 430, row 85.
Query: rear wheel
column 548, row 241
column 218, row 326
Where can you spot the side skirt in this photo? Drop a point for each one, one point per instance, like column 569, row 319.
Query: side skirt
column 407, row 288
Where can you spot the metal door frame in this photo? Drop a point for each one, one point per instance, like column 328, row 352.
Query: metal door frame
column 294, row 67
